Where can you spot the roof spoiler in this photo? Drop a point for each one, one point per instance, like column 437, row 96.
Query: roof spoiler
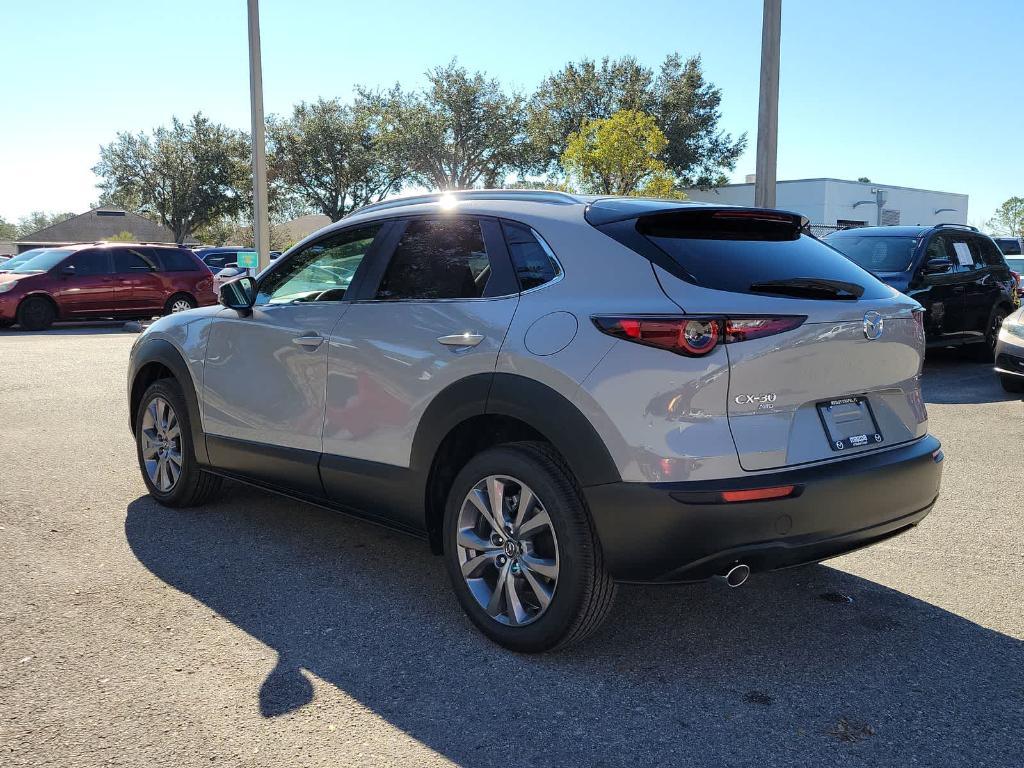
column 611, row 210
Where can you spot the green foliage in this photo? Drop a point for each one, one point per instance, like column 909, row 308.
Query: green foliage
column 685, row 105
column 328, row 155
column 8, row 231
column 460, row 131
column 864, row 180
column 37, row 220
column 1009, row 218
column 122, row 237
column 619, row 155
column 186, row 175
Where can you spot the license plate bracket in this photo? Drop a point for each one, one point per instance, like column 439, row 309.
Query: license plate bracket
column 849, row 422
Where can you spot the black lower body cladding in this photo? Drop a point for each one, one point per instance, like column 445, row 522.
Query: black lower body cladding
column 653, row 531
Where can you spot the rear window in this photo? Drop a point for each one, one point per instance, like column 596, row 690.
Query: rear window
column 175, row 261
column 876, row 253
column 1010, row 246
column 743, row 252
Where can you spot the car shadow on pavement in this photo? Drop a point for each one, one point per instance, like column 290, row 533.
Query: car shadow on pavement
column 91, row 328
column 806, row 666
column 951, row 377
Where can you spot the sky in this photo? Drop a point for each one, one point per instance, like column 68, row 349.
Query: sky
column 919, row 93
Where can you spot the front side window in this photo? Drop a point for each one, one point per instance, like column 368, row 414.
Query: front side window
column 531, row 258
column 129, row 260
column 90, row 263
column 438, row 259
column 322, row 271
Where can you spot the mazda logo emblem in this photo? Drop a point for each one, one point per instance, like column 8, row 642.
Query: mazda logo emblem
column 873, row 325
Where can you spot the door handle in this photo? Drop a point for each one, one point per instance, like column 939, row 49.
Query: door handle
column 309, row 341
column 466, row 339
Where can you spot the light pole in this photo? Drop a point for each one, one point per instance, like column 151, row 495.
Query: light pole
column 260, row 220
column 768, row 105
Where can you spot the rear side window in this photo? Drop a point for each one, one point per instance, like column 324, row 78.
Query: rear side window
column 132, row 260
column 437, row 259
column 175, row 261
column 989, row 252
column 742, row 252
column 966, row 253
column 531, row 258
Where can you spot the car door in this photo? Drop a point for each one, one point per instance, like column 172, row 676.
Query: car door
column 87, row 289
column 940, row 293
column 137, row 283
column 265, row 375
column 975, row 280
column 434, row 311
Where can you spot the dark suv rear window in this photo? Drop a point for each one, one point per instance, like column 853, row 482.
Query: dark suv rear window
column 175, row 261
column 876, row 253
column 1010, row 246
column 742, row 251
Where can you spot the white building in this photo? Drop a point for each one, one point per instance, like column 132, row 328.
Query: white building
column 849, row 203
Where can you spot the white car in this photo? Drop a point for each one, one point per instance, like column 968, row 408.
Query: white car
column 1010, row 352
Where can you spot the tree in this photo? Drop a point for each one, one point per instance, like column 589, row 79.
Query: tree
column 1009, row 218
column 123, row 236
column 619, row 155
column 327, row 154
column 685, row 105
column 460, row 131
column 8, row 231
column 38, row 220
column 864, row 180
column 186, row 175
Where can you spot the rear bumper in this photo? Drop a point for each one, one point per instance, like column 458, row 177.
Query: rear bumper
column 672, row 532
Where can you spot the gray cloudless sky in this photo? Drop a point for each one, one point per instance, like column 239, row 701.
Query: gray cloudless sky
column 919, row 93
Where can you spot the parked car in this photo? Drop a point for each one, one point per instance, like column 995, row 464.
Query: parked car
column 558, row 392
column 21, row 258
column 222, row 276
column 1013, row 252
column 1010, row 352
column 224, row 257
column 957, row 274
column 101, row 280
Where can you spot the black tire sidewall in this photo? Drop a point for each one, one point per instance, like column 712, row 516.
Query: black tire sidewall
column 169, row 390
column 49, row 315
column 575, row 551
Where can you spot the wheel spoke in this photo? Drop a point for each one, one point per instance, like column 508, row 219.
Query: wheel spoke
column 496, row 493
column 174, row 458
column 470, row 539
column 543, row 566
column 525, row 502
column 535, row 525
column 479, row 500
column 542, row 592
column 172, row 471
column 148, row 443
column 472, row 568
column 494, row 604
column 515, row 611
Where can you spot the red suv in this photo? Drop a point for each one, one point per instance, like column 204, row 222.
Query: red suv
column 80, row 282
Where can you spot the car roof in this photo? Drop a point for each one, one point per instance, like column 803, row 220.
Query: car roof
column 903, row 230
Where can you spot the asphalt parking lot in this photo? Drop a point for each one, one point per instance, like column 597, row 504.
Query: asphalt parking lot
column 262, row 632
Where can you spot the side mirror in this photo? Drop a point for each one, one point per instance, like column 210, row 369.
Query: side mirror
column 68, row 271
column 239, row 294
column 937, row 266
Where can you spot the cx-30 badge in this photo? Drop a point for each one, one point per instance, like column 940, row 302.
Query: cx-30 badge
column 873, row 325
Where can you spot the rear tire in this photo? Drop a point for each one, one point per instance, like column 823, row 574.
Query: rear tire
column 1014, row 384
column 36, row 313
column 163, row 445
column 560, row 592
column 985, row 353
column 179, row 302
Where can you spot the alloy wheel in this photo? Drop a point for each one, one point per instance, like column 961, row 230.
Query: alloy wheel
column 507, row 550
column 161, row 444
column 180, row 305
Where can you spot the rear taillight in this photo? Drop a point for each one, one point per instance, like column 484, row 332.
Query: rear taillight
column 693, row 336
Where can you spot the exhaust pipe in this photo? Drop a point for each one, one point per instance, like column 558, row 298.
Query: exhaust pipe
column 734, row 577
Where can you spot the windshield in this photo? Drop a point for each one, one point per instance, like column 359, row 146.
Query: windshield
column 876, row 253
column 44, row 262
column 21, row 258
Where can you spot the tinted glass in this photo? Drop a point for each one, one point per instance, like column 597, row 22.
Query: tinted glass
column 90, row 263
column 322, row 271
column 876, row 254
column 172, row 260
column 219, row 260
column 1009, row 245
column 965, row 260
column 533, row 261
column 438, row 259
column 990, row 253
column 131, row 260
column 736, row 255
column 44, row 262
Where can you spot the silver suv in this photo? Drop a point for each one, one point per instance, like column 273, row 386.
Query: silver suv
column 558, row 393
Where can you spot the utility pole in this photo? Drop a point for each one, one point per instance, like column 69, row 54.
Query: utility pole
column 260, row 219
column 768, row 106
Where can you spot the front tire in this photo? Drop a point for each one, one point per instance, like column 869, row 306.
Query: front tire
column 180, row 302
column 163, row 441
column 1014, row 384
column 36, row 314
column 534, row 580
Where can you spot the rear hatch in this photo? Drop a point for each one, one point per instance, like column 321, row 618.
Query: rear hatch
column 845, row 381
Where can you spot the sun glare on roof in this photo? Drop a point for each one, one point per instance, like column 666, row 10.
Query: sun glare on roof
column 447, row 201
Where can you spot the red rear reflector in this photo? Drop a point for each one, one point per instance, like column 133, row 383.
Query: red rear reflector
column 758, row 494
column 746, row 328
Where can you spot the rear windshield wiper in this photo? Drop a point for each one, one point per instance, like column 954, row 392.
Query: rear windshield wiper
column 811, row 288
